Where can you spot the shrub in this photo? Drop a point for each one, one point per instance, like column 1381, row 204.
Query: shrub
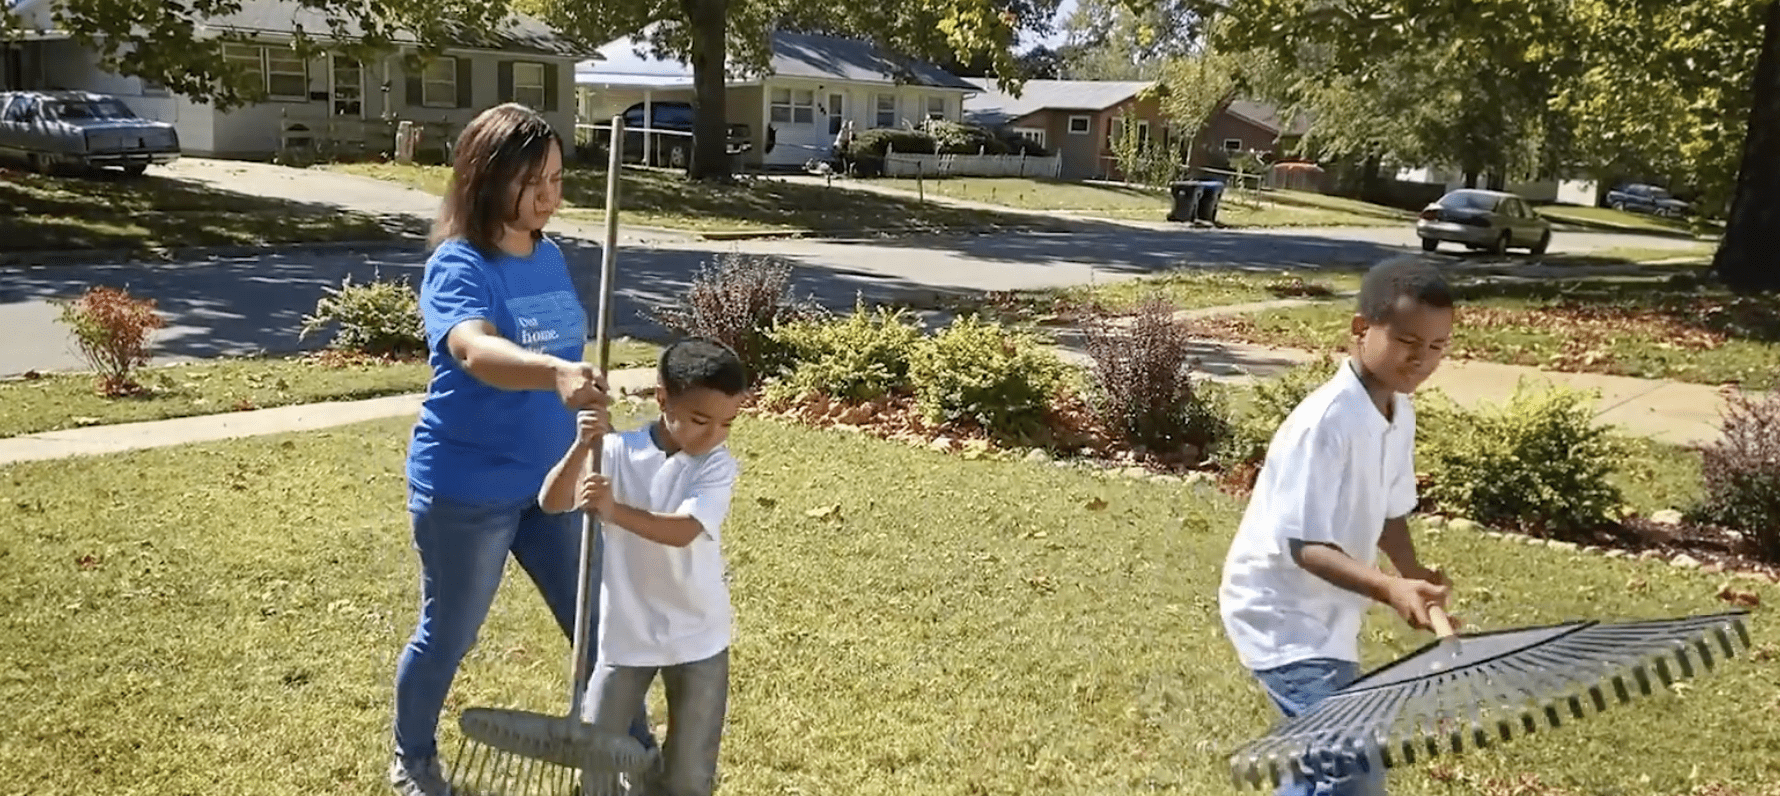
column 862, row 357
column 1265, row 405
column 1538, row 464
column 738, row 302
column 1142, row 391
column 380, row 318
column 876, row 141
column 113, row 331
column 954, row 138
column 980, row 372
column 1742, row 473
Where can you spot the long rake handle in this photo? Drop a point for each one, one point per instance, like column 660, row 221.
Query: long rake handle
column 580, row 662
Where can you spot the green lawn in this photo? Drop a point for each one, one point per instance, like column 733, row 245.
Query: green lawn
column 1642, row 328
column 1608, row 218
column 67, row 400
column 941, row 626
column 663, row 199
column 1238, row 209
column 39, row 213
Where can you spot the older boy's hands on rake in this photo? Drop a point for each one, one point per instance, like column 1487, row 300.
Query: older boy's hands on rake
column 1412, row 596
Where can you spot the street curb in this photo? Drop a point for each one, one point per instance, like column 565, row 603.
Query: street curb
column 158, row 254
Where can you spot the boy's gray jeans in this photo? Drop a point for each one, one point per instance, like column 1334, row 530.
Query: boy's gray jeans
column 697, row 699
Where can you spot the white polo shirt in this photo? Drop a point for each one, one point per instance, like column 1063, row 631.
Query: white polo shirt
column 1335, row 471
column 662, row 605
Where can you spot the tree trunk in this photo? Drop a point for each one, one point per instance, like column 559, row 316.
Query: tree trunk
column 709, row 25
column 1498, row 181
column 1748, row 258
column 1470, row 178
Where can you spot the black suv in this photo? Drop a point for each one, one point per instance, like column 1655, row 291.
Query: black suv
column 671, row 134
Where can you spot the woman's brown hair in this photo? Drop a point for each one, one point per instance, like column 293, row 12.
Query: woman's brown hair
column 503, row 147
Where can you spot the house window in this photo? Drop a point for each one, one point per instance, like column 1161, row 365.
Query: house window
column 249, row 60
column 1034, row 134
column 528, row 84
column 886, row 110
column 282, row 73
column 936, row 108
column 438, row 83
column 348, row 86
column 1080, row 125
column 793, row 106
column 1232, row 145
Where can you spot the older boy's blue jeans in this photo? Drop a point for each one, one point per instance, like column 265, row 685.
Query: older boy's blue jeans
column 463, row 549
column 1297, row 687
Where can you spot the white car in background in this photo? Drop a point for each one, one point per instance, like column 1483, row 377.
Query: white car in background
column 1493, row 221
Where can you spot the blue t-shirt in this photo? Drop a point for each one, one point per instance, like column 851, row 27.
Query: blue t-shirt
column 476, row 442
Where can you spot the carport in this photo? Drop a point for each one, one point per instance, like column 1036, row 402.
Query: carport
column 619, row 78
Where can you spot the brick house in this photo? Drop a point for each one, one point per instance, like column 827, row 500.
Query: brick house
column 1079, row 120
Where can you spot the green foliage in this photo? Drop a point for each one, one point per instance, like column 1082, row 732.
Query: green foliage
column 1139, row 161
column 953, row 138
column 1742, row 473
column 379, row 318
column 981, row 372
column 880, row 140
column 1251, row 425
column 1538, row 464
column 861, row 357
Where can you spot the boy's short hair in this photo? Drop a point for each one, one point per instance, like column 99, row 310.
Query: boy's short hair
column 1389, row 282
column 694, row 363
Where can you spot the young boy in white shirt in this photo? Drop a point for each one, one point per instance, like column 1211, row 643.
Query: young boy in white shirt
column 663, row 491
column 1337, row 486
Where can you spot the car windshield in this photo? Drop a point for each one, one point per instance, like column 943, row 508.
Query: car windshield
column 1468, row 200
column 91, row 109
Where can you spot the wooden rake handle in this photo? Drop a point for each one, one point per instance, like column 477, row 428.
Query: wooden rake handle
column 1441, row 622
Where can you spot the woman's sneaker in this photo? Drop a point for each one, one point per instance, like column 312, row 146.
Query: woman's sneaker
column 414, row 777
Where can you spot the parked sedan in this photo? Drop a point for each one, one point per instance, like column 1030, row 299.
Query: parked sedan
column 1479, row 219
column 52, row 130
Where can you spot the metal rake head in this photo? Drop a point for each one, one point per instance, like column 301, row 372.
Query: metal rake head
column 1479, row 688
column 521, row 752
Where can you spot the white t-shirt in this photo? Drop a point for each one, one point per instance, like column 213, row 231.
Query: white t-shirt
column 662, row 605
column 1335, row 471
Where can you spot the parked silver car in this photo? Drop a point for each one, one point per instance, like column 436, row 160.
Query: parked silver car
column 1479, row 219
column 53, row 130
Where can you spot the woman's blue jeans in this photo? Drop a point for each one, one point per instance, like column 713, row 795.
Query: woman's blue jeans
column 463, row 549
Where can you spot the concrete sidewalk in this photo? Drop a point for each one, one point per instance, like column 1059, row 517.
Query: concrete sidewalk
column 98, row 440
column 1666, row 411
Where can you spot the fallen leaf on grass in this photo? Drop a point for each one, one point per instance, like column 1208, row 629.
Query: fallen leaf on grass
column 88, row 561
column 766, row 502
column 1747, row 599
column 1095, row 504
column 824, row 512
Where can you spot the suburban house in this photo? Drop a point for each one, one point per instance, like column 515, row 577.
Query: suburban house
column 1079, row 120
column 329, row 101
column 814, row 84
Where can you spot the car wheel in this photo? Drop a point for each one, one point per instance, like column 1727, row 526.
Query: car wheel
column 1430, row 244
column 677, row 156
column 1502, row 243
column 1543, row 244
column 41, row 164
column 135, row 170
column 1617, row 205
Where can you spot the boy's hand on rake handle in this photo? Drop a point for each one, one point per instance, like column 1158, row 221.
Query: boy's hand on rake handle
column 1412, row 597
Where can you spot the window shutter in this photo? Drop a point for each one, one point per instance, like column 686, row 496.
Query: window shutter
column 503, row 81
column 466, row 96
column 552, row 86
column 412, row 89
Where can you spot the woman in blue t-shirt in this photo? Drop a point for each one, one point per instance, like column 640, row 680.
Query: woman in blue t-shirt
column 505, row 331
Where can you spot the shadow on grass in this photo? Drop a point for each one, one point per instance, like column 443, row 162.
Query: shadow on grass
column 112, row 211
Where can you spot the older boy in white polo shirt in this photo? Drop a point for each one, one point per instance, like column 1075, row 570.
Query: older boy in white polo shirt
column 663, row 492
column 1338, row 485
